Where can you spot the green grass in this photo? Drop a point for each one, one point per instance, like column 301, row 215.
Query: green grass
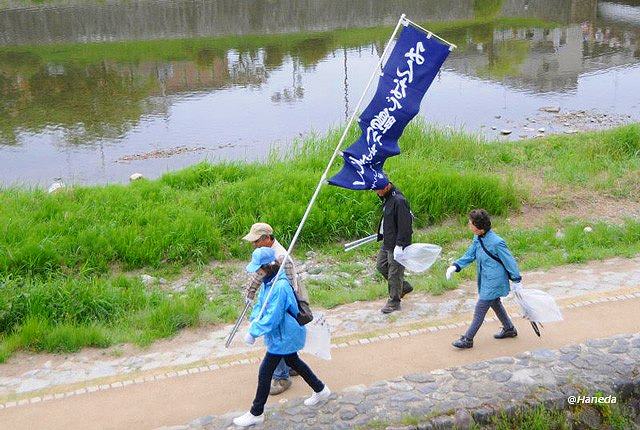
column 200, row 213
column 64, row 315
column 539, row 418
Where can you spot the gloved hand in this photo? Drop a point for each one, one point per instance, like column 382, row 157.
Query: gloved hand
column 516, row 286
column 450, row 271
column 248, row 339
column 397, row 251
column 250, row 296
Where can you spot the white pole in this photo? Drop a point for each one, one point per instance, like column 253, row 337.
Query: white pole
column 430, row 33
column 333, row 157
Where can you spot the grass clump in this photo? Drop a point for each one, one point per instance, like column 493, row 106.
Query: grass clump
column 539, row 418
column 64, row 315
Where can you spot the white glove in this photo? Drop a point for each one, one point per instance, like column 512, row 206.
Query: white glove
column 397, row 252
column 248, row 339
column 516, row 286
column 450, row 271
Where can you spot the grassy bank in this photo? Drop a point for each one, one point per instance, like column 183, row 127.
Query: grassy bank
column 199, row 214
column 60, row 254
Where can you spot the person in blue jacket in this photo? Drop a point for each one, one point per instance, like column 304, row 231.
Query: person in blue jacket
column 496, row 267
column 283, row 336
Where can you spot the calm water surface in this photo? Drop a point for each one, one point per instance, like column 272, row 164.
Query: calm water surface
column 91, row 93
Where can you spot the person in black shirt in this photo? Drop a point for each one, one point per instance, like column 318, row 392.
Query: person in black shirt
column 395, row 232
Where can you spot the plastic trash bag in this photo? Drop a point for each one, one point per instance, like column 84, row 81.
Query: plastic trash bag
column 538, row 306
column 418, row 257
column 318, row 340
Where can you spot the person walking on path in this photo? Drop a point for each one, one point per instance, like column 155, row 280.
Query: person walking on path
column 495, row 267
column 261, row 234
column 283, row 336
column 395, row 232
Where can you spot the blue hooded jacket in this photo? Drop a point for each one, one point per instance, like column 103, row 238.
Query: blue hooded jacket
column 282, row 333
column 493, row 280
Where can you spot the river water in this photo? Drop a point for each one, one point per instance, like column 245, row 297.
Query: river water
column 93, row 92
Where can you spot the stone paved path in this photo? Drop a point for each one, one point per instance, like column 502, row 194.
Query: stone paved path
column 456, row 397
column 25, row 374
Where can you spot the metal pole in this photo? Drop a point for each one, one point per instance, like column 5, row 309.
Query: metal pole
column 333, row 157
column 236, row 326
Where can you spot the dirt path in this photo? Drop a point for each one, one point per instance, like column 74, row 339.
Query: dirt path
column 178, row 400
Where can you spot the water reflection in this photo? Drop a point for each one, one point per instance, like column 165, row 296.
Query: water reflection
column 75, row 109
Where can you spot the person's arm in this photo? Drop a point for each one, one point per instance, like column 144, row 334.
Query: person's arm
column 253, row 285
column 405, row 224
column 273, row 313
column 509, row 262
column 257, row 306
column 468, row 257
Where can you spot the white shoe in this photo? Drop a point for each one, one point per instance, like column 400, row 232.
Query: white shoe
column 248, row 419
column 318, row 397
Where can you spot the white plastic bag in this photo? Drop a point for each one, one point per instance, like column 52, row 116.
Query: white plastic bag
column 318, row 340
column 418, row 257
column 538, row 306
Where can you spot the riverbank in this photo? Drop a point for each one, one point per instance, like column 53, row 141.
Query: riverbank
column 71, row 262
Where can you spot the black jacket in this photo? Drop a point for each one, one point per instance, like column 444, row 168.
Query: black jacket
column 396, row 221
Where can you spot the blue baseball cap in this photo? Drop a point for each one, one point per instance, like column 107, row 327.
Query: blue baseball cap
column 260, row 257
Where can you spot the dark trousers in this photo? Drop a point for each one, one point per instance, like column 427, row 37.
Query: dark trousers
column 482, row 307
column 393, row 272
column 268, row 366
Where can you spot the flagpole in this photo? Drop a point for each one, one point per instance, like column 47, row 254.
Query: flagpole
column 430, row 33
column 333, row 157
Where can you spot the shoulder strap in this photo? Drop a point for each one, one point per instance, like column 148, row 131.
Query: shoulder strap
column 484, row 248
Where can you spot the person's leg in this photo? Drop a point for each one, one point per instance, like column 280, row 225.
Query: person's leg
column 282, row 370
column 281, row 381
column 294, row 361
column 396, row 278
column 382, row 264
column 501, row 313
column 478, row 318
column 265, row 374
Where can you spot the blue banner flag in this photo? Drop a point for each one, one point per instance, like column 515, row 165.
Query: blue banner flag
column 406, row 76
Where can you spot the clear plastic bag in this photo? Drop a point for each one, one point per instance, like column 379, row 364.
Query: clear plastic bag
column 318, row 342
column 538, row 306
column 418, row 257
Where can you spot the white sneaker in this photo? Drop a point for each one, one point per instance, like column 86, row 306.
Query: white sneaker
column 318, row 397
column 248, row 419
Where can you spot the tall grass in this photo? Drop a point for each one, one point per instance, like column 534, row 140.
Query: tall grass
column 200, row 213
column 62, row 314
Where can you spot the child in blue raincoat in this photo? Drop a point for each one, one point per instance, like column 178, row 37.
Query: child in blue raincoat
column 496, row 267
column 283, row 336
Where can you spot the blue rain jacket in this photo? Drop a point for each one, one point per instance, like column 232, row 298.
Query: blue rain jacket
column 493, row 279
column 282, row 333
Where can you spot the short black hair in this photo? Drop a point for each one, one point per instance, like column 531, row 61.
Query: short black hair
column 271, row 268
column 480, row 218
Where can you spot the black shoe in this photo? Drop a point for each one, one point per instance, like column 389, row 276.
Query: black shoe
column 463, row 343
column 506, row 332
column 390, row 307
column 406, row 289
